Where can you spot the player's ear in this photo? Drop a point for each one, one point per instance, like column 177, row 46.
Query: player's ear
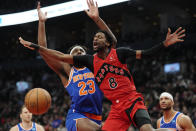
column 172, row 103
column 108, row 44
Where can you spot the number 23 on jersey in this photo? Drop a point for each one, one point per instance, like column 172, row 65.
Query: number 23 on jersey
column 83, row 85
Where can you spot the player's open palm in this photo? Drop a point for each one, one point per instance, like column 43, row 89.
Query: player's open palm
column 42, row 16
column 175, row 37
column 92, row 12
column 25, row 43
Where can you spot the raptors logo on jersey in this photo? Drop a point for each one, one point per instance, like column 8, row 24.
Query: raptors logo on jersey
column 107, row 68
column 112, row 75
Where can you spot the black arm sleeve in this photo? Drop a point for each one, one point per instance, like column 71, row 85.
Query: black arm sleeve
column 84, row 60
column 152, row 51
column 124, row 53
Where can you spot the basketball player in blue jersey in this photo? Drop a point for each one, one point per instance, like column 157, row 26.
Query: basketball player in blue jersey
column 26, row 122
column 172, row 119
column 86, row 108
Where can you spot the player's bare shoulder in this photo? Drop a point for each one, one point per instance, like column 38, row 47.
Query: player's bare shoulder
column 15, row 128
column 39, row 127
column 185, row 122
column 183, row 118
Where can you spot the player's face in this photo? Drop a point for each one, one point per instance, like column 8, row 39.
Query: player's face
column 99, row 42
column 166, row 103
column 78, row 50
column 26, row 115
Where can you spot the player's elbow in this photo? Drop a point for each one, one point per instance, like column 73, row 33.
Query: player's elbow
column 44, row 44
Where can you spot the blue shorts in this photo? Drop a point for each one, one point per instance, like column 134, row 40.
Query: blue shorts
column 72, row 118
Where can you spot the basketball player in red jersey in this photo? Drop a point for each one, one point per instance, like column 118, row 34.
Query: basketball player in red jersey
column 80, row 117
column 110, row 68
column 174, row 120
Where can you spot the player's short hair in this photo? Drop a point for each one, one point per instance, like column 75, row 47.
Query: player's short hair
column 107, row 36
column 22, row 107
column 84, row 47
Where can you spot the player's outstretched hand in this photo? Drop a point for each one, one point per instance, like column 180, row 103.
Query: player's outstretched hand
column 42, row 16
column 175, row 37
column 93, row 11
column 26, row 43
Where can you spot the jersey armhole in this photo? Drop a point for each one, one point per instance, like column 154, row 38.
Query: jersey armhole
column 159, row 123
column 70, row 77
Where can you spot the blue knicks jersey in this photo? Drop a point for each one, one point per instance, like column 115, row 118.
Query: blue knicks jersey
column 172, row 125
column 85, row 94
column 20, row 128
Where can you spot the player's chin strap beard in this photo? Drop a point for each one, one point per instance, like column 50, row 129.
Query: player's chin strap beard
column 166, row 109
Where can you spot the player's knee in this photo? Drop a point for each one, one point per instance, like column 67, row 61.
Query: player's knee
column 141, row 118
column 95, row 127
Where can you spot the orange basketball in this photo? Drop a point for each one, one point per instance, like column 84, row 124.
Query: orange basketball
column 38, row 101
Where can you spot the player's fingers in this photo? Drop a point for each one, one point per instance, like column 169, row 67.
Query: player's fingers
column 20, row 38
column 96, row 4
column 180, row 40
column 26, row 46
column 181, row 32
column 38, row 5
column 88, row 3
column 22, row 41
column 181, row 36
column 91, row 2
column 29, row 47
column 178, row 30
column 46, row 13
column 169, row 31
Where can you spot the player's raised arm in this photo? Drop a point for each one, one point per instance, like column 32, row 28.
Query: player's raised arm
column 41, row 28
column 49, row 52
column 93, row 13
column 171, row 39
column 61, row 68
column 126, row 53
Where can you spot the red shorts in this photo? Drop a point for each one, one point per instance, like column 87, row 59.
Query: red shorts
column 120, row 120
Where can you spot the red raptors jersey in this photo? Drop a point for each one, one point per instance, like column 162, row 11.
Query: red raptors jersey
column 113, row 77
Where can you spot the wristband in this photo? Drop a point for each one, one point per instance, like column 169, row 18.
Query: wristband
column 35, row 46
